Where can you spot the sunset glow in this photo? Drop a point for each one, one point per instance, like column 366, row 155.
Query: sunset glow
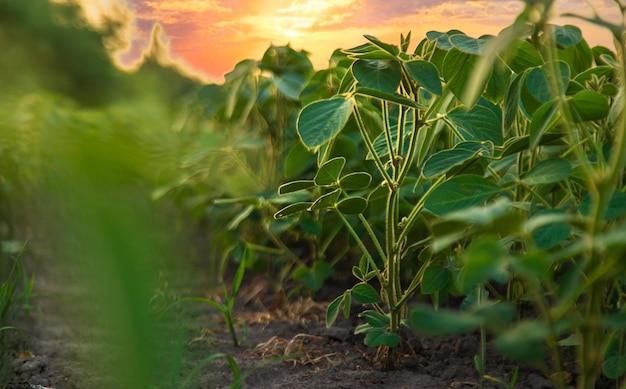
column 211, row 36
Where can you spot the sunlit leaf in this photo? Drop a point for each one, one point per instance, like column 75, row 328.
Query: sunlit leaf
column 426, row 74
column 322, row 120
column 567, row 35
column 381, row 75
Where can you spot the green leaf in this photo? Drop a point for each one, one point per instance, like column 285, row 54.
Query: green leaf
column 524, row 342
column 327, row 200
column 435, row 278
column 290, row 84
column 391, row 97
column 469, row 45
column 333, row 310
column 375, row 318
column 426, row 74
column 567, row 36
column 391, row 49
column 295, row 186
column 548, row 172
column 458, row 69
column 321, row 121
column 459, row 193
column 381, row 75
column 615, row 321
column 292, row 209
column 544, row 118
column 614, row 367
column 442, row 322
column 550, row 233
column 478, row 124
column 377, row 336
column 365, row 294
column 539, row 80
column 484, row 260
column 298, row 160
column 615, row 209
column 588, row 105
column 315, row 277
column 439, row 163
column 356, row 180
column 511, row 102
column 329, row 172
column 525, row 56
column 352, row 205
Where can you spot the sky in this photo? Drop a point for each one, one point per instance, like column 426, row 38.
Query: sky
column 208, row 37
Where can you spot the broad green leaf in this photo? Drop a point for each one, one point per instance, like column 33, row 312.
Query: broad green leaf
column 511, row 102
column 443, row 40
column 365, row 294
column 614, row 366
column 315, row 277
column 439, row 163
column 327, row 200
column 322, row 120
column 469, row 45
column 484, row 260
column 391, row 97
column 551, row 233
column 435, row 278
column 596, row 71
column 391, row 49
column 615, row 321
column 333, row 309
column 480, row 215
column 329, row 172
column 377, row 336
column 567, row 35
column 292, row 209
column 548, row 172
column 290, row 84
column 544, row 118
column 295, row 186
column 442, row 322
column 525, row 56
column 589, row 105
column 539, row 80
column 298, row 160
column 458, row 68
column 352, row 205
column 375, row 318
column 522, row 143
column 615, row 209
column 479, row 124
column 426, row 74
column 369, row 51
column 356, row 180
column 524, row 342
column 381, row 75
column 459, row 193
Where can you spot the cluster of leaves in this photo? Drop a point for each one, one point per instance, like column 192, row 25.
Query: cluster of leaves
column 493, row 168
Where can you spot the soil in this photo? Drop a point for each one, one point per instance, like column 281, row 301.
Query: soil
column 285, row 343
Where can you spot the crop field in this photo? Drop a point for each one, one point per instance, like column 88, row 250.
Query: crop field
column 444, row 211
